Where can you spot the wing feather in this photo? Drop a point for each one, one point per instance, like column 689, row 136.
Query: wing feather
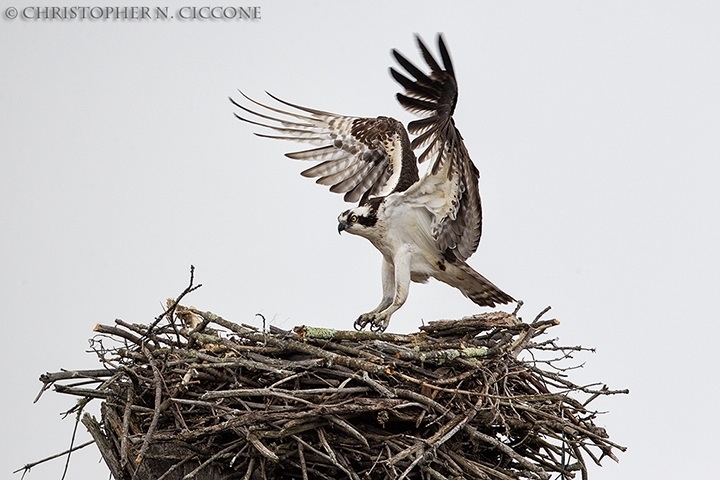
column 411, row 88
column 357, row 156
column 420, row 78
column 352, row 181
column 320, row 154
column 422, row 125
column 366, row 184
column 341, row 175
column 449, row 187
column 315, row 140
column 416, row 105
column 329, row 167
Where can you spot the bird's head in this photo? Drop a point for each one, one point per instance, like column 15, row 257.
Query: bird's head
column 358, row 221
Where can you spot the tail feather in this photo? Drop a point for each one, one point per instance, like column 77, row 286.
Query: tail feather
column 477, row 288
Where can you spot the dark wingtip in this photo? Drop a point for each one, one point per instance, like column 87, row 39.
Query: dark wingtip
column 244, row 95
column 419, row 41
column 445, row 55
column 246, row 120
column 398, row 56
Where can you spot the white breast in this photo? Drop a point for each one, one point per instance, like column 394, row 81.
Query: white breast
column 407, row 226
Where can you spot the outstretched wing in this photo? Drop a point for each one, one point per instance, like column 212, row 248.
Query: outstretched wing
column 360, row 157
column 450, row 184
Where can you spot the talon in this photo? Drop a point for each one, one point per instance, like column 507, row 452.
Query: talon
column 379, row 323
column 358, row 325
column 362, row 321
column 377, row 328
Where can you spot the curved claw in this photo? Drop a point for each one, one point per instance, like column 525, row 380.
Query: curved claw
column 362, row 321
column 359, row 324
column 378, row 322
column 377, row 327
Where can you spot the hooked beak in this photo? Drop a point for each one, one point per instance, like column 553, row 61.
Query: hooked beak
column 342, row 226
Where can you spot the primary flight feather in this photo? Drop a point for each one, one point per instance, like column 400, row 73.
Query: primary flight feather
column 424, row 227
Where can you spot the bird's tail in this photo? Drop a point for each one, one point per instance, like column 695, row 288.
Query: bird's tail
column 477, row 288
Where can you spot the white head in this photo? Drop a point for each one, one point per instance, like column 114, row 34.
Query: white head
column 359, row 220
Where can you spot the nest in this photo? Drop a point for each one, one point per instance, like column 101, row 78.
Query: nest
column 193, row 395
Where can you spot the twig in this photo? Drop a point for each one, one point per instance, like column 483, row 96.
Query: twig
column 171, row 307
column 158, row 403
column 28, row 466
column 126, row 426
column 318, row 403
column 176, row 466
column 105, row 446
column 207, row 462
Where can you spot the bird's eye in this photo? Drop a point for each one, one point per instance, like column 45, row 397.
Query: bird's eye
column 353, row 218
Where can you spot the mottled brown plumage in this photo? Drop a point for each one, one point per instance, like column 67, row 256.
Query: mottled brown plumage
column 424, row 226
column 360, row 157
column 434, row 97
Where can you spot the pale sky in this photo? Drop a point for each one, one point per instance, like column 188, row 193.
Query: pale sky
column 595, row 125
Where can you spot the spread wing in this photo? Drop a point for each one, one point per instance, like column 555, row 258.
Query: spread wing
column 360, row 157
column 450, row 185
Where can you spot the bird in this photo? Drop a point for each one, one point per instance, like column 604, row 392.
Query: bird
column 424, row 226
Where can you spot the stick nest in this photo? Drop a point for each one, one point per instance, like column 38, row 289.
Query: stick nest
column 195, row 396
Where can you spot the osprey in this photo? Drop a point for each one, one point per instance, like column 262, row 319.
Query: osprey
column 424, row 227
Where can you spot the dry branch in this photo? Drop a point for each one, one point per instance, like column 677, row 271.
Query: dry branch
column 193, row 395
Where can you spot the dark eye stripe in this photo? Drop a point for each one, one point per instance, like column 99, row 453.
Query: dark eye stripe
column 367, row 221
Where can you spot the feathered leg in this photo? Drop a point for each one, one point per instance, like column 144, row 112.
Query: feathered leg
column 380, row 319
column 388, row 287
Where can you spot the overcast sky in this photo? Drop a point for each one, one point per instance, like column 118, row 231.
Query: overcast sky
column 595, row 124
